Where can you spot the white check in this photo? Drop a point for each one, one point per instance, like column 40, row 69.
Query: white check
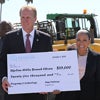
column 43, row 72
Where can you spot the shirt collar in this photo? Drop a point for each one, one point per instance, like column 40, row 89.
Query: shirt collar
column 31, row 33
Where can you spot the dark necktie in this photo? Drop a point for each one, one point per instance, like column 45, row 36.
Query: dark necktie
column 28, row 44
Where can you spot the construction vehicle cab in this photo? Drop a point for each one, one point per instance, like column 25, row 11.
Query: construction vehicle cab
column 68, row 24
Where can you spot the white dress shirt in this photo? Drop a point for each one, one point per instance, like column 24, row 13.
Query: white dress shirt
column 31, row 37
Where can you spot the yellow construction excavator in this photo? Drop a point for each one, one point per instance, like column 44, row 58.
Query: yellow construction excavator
column 63, row 28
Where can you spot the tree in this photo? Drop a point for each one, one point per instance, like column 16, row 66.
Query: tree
column 1, row 2
column 28, row 1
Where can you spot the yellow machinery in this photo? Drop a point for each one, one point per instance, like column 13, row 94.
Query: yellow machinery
column 67, row 25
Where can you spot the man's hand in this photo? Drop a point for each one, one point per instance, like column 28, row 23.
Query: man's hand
column 5, row 85
column 56, row 92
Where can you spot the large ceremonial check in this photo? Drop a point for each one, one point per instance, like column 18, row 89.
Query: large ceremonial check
column 43, row 72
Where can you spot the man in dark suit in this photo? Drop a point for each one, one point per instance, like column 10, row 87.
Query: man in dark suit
column 15, row 42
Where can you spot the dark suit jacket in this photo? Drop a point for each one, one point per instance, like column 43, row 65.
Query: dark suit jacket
column 90, row 83
column 14, row 43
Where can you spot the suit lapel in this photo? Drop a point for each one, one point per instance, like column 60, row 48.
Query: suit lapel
column 90, row 65
column 20, row 41
column 36, row 40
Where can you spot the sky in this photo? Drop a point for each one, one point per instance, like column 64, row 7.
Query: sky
column 10, row 9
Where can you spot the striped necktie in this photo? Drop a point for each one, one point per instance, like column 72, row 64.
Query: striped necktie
column 28, row 44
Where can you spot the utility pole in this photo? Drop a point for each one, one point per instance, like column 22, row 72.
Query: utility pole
column 1, row 2
column 0, row 11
